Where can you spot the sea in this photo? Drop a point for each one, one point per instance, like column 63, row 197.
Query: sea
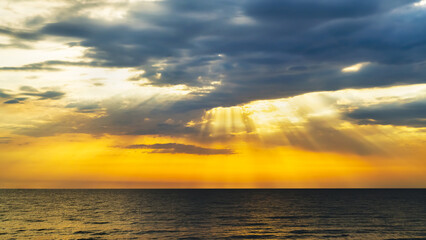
column 213, row 214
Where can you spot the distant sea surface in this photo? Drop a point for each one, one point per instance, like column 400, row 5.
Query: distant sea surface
column 213, row 214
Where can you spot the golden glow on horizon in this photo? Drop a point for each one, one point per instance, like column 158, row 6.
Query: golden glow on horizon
column 75, row 161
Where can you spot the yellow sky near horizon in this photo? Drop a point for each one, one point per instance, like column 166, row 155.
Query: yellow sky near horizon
column 82, row 161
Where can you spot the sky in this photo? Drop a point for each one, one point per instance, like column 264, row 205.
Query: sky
column 212, row 94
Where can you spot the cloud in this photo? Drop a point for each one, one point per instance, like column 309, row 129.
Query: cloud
column 287, row 49
column 318, row 9
column 180, row 148
column 121, row 116
column 54, row 95
column 320, row 135
column 85, row 107
column 30, row 67
column 411, row 114
column 28, row 89
column 3, row 93
column 235, row 52
column 15, row 100
column 5, row 140
column 25, row 91
column 320, row 121
column 20, row 34
column 46, row 66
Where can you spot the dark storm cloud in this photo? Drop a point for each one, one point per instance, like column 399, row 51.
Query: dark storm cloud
column 283, row 49
column 180, row 148
column 318, row 9
column 284, row 33
column 121, row 45
column 405, row 114
column 308, row 80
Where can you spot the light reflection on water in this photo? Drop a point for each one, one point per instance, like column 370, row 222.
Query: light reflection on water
column 212, row 214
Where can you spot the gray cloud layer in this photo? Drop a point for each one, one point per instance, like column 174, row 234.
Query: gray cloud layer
column 258, row 49
column 404, row 114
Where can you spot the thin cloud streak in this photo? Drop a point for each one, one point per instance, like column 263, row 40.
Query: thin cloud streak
column 180, row 148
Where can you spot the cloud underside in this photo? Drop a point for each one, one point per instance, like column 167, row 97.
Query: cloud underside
column 401, row 114
column 180, row 148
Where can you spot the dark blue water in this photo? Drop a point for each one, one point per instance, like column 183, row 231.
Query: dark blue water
column 212, row 214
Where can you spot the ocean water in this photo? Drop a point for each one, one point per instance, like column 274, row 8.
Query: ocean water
column 213, row 214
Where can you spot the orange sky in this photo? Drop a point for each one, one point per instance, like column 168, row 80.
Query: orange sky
column 218, row 94
column 83, row 161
